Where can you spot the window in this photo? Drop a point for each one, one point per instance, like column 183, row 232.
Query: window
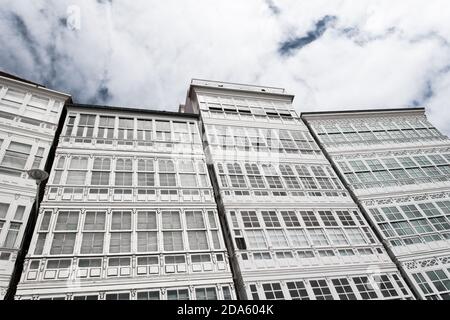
column 298, row 237
column 120, row 241
column 148, row 295
column 38, row 158
column 355, row 235
column 345, row 218
column 318, row 237
column 358, row 165
column 76, row 174
column 177, row 294
column 124, row 172
column 274, row 182
column 400, row 284
column 63, row 243
column 337, row 236
column 252, row 169
column 439, row 280
column 440, row 223
column 422, row 161
column 86, row 125
column 180, row 132
column 387, row 230
column 250, row 219
column 59, row 169
column 166, row 179
column 309, row 218
column 407, row 162
column 411, row 211
column 273, row 291
column 20, row 210
column 290, row 218
column 16, row 155
column 172, row 234
column 238, row 181
column 126, row 127
column 437, row 159
column 206, row 293
column 188, row 180
column 270, row 218
column 3, row 210
column 11, row 236
column 256, row 182
column 429, row 209
column 226, row 293
column 67, row 220
column 423, row 284
column 391, row 163
column 117, row 296
column 327, row 218
column 254, row 292
column 392, row 213
column 422, row 226
column 289, row 177
column 70, row 125
column 343, row 289
column 256, row 239
column 106, row 127
column 321, row 290
column 402, row 228
column 277, row 238
column 147, row 241
column 444, row 206
column 297, row 290
column 386, row 287
column 144, row 129
column 197, row 240
column 162, row 130
column 365, row 288
column 146, row 176
column 92, row 242
column 374, row 164
column 100, row 171
column 121, row 220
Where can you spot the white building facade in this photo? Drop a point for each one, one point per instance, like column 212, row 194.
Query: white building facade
column 29, row 117
column 292, row 229
column 397, row 166
column 128, row 213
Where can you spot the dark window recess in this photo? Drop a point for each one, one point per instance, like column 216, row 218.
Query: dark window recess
column 215, row 109
column 272, row 113
column 240, row 243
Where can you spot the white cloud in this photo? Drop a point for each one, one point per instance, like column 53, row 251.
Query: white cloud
column 146, row 52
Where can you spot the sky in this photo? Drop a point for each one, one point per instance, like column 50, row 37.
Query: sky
column 331, row 54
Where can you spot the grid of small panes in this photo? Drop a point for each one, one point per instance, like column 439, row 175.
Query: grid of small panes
column 375, row 131
column 245, row 108
column 199, row 292
column 294, row 229
column 395, row 170
column 108, row 128
column 14, row 157
column 361, row 287
column 82, row 170
column 281, row 177
column 261, row 139
column 434, row 282
column 116, row 231
column 414, row 222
